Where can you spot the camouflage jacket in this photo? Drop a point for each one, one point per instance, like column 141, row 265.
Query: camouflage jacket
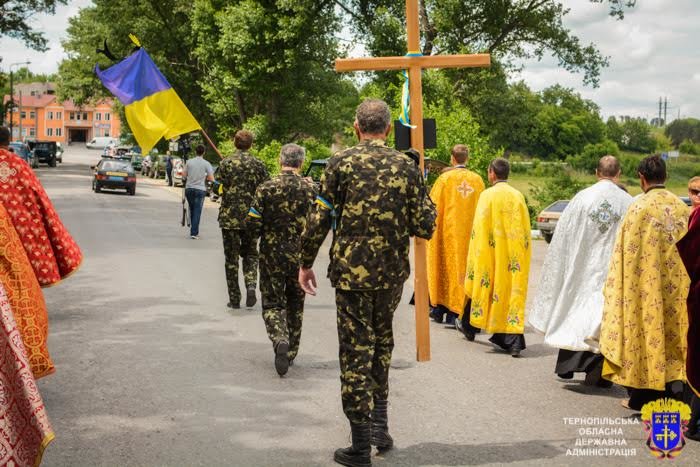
column 278, row 216
column 239, row 174
column 374, row 198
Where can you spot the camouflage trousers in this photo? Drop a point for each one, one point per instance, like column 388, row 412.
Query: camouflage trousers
column 239, row 244
column 283, row 306
column 366, row 341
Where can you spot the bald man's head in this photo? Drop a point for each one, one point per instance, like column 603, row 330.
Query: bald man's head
column 608, row 167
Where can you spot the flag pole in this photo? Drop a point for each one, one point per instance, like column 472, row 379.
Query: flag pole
column 211, row 143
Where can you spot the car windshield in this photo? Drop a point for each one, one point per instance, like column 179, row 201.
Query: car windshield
column 559, row 206
column 115, row 166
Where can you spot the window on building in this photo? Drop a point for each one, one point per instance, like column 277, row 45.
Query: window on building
column 58, row 115
column 59, row 132
column 32, row 115
column 49, row 115
column 33, row 93
column 32, row 132
column 85, row 116
column 106, row 115
column 49, row 132
column 72, row 115
column 77, row 115
column 24, row 132
column 107, row 132
column 23, row 114
column 98, row 116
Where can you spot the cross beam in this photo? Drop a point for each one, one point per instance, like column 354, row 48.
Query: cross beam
column 415, row 65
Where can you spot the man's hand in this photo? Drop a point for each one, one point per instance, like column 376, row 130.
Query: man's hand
column 307, row 280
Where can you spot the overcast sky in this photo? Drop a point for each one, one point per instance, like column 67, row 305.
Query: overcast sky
column 653, row 52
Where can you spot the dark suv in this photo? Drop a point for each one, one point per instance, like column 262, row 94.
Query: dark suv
column 44, row 151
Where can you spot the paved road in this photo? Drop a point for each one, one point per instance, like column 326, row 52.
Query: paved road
column 153, row 370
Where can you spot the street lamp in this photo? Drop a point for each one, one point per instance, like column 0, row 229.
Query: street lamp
column 12, row 96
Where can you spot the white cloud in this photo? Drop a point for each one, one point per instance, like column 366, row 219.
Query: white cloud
column 652, row 53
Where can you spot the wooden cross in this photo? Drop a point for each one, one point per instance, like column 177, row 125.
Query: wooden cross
column 414, row 65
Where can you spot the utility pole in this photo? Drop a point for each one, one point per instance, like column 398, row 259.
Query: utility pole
column 20, row 116
column 660, row 111
column 12, row 95
column 665, row 108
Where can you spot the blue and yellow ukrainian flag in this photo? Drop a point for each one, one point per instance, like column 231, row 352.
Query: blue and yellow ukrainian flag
column 153, row 109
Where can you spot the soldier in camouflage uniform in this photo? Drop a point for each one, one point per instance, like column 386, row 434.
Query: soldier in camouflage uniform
column 239, row 174
column 278, row 217
column 374, row 199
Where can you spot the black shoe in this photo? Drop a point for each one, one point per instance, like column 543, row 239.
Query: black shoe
column 281, row 359
column 250, row 299
column 233, row 306
column 437, row 315
column 515, row 353
column 357, row 455
column 470, row 335
column 567, row 375
column 380, row 426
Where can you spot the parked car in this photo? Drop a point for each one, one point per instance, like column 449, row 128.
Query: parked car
column 44, row 151
column 158, row 166
column 101, row 142
column 213, row 185
column 548, row 218
column 686, row 200
column 178, row 171
column 59, row 153
column 114, row 174
column 23, row 151
column 136, row 160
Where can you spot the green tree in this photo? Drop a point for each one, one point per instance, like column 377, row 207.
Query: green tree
column 15, row 20
column 683, row 129
column 511, row 30
column 637, row 136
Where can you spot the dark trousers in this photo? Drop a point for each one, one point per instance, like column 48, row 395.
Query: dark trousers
column 239, row 244
column 366, row 341
column 169, row 175
column 283, row 306
column 640, row 397
column 195, row 199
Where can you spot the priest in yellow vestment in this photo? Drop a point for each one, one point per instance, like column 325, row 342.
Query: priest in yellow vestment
column 645, row 319
column 498, row 262
column 455, row 194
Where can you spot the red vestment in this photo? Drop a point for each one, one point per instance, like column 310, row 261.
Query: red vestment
column 25, row 430
column 689, row 250
column 52, row 251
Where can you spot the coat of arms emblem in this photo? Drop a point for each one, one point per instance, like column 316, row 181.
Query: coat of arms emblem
column 665, row 421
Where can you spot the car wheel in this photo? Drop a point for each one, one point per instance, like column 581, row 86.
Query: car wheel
column 52, row 162
column 98, row 188
column 547, row 236
column 131, row 191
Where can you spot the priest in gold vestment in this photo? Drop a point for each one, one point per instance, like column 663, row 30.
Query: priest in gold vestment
column 498, row 263
column 455, row 194
column 645, row 319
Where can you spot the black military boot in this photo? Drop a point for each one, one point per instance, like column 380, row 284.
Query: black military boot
column 250, row 299
column 281, row 359
column 380, row 426
column 357, row 455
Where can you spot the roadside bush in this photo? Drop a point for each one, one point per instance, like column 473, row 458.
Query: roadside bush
column 689, row 147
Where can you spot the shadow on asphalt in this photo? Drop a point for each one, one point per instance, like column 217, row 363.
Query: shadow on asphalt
column 472, row 454
column 615, row 392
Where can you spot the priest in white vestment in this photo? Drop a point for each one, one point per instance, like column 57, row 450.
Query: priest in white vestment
column 568, row 307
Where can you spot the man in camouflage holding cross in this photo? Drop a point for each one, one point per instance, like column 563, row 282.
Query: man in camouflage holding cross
column 278, row 217
column 374, row 199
